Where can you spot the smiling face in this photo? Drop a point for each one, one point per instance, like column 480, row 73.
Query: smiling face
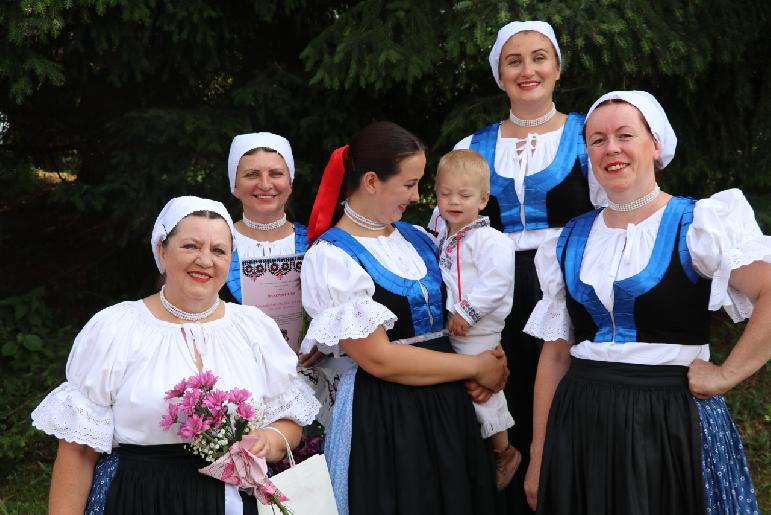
column 529, row 68
column 460, row 198
column 263, row 185
column 196, row 258
column 392, row 196
column 622, row 151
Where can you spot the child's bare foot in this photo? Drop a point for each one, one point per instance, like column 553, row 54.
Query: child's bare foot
column 506, row 464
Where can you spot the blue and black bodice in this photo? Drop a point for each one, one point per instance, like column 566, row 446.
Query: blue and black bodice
column 667, row 302
column 552, row 196
column 417, row 304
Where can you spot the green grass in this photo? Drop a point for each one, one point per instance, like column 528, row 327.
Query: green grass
column 24, row 484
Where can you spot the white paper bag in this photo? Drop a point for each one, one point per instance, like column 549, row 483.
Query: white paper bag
column 307, row 487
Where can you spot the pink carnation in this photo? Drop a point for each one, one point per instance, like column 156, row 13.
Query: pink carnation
column 217, row 418
column 166, row 422
column 170, row 418
column 239, row 395
column 204, row 380
column 245, row 411
column 193, row 426
column 189, row 401
column 214, row 400
column 177, row 391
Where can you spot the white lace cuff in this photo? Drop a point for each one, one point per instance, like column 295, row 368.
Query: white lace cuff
column 296, row 403
column 550, row 321
column 722, row 295
column 357, row 318
column 68, row 415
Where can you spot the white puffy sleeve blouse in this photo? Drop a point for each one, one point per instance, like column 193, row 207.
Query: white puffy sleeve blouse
column 486, row 277
column 723, row 237
column 337, row 292
column 124, row 360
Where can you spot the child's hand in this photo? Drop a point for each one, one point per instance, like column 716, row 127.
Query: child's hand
column 457, row 326
column 477, row 392
column 310, row 359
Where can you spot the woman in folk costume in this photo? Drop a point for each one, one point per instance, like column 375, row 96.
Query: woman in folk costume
column 261, row 172
column 539, row 179
column 636, row 418
column 128, row 355
column 404, row 438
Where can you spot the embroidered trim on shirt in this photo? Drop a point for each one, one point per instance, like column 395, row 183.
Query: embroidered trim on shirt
column 447, row 253
column 469, row 310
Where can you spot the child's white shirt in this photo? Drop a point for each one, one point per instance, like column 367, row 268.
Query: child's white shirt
column 486, row 291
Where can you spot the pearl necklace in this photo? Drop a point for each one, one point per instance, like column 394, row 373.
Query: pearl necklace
column 636, row 204
column 184, row 315
column 533, row 123
column 361, row 220
column 257, row 226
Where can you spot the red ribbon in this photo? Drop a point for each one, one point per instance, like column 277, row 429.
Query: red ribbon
column 329, row 192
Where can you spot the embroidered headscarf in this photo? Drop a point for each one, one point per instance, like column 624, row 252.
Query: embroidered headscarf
column 243, row 143
column 654, row 115
column 174, row 211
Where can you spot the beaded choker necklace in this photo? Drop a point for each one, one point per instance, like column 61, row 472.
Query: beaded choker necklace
column 361, row 220
column 184, row 315
column 257, row 226
column 636, row 204
column 534, row 123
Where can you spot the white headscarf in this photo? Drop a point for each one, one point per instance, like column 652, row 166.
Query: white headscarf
column 515, row 27
column 243, row 143
column 655, row 116
column 174, row 211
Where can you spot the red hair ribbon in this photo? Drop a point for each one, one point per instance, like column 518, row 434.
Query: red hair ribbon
column 329, row 192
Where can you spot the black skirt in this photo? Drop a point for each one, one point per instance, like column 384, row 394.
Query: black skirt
column 418, row 450
column 522, row 352
column 164, row 480
column 622, row 439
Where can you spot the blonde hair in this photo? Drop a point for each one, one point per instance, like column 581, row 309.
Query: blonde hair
column 469, row 162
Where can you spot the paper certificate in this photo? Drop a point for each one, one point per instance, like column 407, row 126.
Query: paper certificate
column 273, row 285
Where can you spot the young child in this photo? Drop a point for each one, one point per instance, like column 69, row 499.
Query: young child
column 477, row 264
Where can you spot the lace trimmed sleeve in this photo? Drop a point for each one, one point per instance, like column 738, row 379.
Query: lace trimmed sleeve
column 724, row 236
column 80, row 409
column 550, row 320
column 337, row 294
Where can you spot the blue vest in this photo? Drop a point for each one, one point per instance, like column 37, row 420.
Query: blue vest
column 552, row 196
column 234, row 275
column 667, row 302
column 404, row 297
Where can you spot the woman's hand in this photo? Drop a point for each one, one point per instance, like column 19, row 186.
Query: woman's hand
column 706, row 380
column 457, row 325
column 311, row 358
column 262, row 445
column 270, row 445
column 532, row 478
column 477, row 392
column 492, row 373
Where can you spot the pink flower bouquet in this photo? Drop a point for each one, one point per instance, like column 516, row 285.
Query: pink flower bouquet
column 217, row 425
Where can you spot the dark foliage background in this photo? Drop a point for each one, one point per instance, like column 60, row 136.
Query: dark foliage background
column 137, row 101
